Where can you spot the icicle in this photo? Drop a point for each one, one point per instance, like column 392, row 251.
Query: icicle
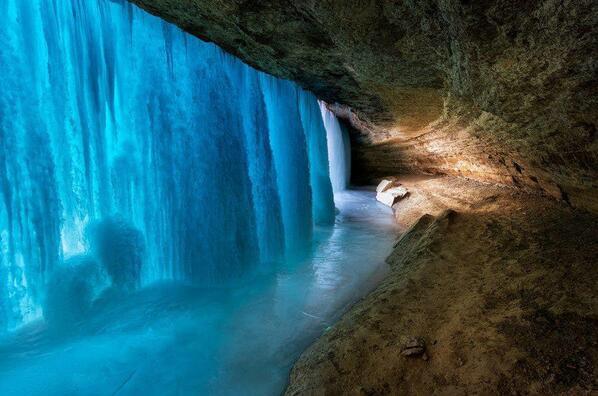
column 323, row 207
column 110, row 116
column 339, row 150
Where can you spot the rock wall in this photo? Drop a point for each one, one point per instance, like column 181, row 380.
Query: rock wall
column 496, row 287
column 495, row 90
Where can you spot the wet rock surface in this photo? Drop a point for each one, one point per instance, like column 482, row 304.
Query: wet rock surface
column 496, row 90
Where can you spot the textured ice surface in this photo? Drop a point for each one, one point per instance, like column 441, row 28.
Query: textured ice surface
column 339, row 150
column 238, row 339
column 166, row 213
column 204, row 166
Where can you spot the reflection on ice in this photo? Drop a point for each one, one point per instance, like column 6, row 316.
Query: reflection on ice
column 241, row 338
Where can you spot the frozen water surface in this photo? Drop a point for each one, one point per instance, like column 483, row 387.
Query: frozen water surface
column 167, row 216
column 239, row 338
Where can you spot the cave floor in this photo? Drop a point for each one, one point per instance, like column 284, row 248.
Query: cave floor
column 238, row 337
column 499, row 286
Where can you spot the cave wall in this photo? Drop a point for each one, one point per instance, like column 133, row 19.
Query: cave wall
column 502, row 91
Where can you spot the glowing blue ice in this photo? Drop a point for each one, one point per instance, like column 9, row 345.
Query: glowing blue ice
column 166, row 212
column 339, row 150
column 111, row 116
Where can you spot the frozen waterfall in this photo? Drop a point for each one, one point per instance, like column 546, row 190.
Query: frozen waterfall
column 127, row 142
column 339, row 150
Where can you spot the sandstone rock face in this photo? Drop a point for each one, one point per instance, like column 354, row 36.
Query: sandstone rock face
column 496, row 90
column 491, row 292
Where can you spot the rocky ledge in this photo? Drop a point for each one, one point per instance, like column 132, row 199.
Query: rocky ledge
column 491, row 292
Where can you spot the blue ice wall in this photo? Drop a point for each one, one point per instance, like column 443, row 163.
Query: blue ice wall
column 154, row 153
column 339, row 150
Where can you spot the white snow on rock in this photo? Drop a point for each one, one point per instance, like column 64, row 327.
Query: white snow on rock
column 386, row 184
column 390, row 192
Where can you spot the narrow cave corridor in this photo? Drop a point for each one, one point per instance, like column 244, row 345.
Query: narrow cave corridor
column 226, row 197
